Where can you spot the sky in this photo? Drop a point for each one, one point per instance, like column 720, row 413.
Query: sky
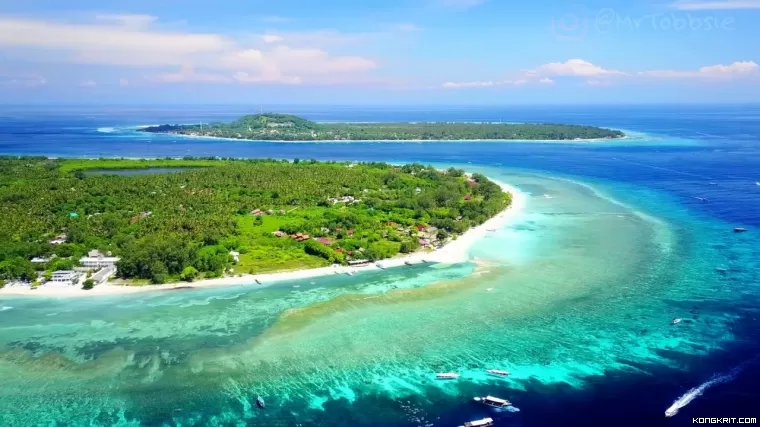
column 390, row 52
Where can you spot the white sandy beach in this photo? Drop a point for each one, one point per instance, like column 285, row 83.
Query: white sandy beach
column 455, row 251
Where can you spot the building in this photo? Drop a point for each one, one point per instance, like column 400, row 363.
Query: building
column 103, row 275
column 96, row 259
column 64, row 278
column 57, row 240
column 42, row 260
column 235, row 256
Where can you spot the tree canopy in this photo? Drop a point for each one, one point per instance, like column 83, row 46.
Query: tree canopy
column 217, row 215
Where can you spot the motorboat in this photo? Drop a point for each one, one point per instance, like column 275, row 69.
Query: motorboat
column 446, row 376
column 260, row 402
column 739, row 230
column 498, row 373
column 408, row 262
column 485, row 422
column 493, row 402
column 676, row 321
column 258, row 282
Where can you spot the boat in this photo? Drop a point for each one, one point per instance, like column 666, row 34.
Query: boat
column 380, row 266
column 485, row 422
column 260, row 402
column 498, row 373
column 446, row 376
column 548, row 196
column 408, row 262
column 676, row 321
column 489, row 289
column 739, row 230
column 493, row 402
column 258, row 282
column 701, row 199
column 349, row 273
column 721, row 269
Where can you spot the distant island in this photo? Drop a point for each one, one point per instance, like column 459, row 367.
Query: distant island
column 285, row 127
column 78, row 221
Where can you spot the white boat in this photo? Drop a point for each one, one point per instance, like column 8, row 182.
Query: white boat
column 493, row 402
column 676, row 321
column 349, row 273
column 489, row 289
column 548, row 196
column 380, row 266
column 485, row 422
column 447, row 376
column 498, row 373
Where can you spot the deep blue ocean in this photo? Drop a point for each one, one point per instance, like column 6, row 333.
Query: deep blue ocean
column 686, row 153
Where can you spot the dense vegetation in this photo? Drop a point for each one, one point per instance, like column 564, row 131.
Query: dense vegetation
column 291, row 128
column 184, row 225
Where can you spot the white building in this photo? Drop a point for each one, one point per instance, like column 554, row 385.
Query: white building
column 64, row 278
column 96, row 259
column 235, row 256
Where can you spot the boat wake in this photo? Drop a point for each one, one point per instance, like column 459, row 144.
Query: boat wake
column 697, row 391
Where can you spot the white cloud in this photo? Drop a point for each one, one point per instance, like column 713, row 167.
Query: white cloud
column 572, row 67
column 123, row 82
column 88, row 83
column 129, row 40
column 271, row 38
column 594, row 82
column 133, row 21
column 546, row 81
column 26, row 81
column 457, row 85
column 245, row 78
column 715, row 4
column 735, row 70
column 489, row 83
column 188, row 75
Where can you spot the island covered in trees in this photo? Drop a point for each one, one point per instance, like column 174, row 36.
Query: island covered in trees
column 184, row 219
column 285, row 127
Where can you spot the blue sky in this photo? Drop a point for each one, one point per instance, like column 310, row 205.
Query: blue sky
column 379, row 52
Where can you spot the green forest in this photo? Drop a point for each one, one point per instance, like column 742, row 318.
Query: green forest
column 272, row 215
column 286, row 127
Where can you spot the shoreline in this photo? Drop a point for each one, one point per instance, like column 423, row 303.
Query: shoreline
column 454, row 252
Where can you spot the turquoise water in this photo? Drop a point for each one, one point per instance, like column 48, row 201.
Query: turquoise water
column 584, row 284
